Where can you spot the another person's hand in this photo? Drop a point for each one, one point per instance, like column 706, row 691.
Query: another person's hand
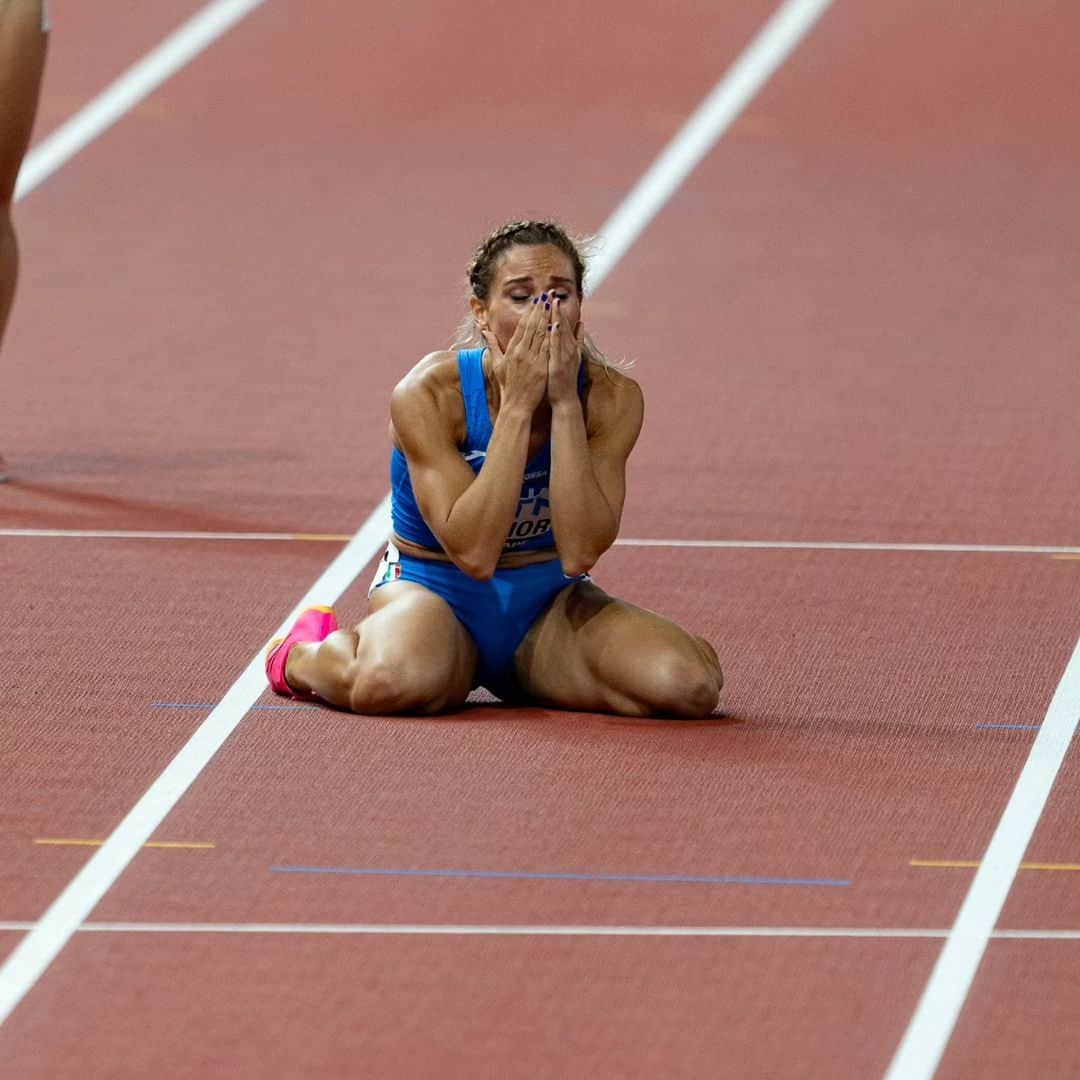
column 523, row 377
column 565, row 356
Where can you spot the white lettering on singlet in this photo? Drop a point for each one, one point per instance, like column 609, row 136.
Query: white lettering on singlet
column 534, row 506
column 533, row 513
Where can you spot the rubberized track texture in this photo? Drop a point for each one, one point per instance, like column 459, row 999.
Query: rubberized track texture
column 839, row 242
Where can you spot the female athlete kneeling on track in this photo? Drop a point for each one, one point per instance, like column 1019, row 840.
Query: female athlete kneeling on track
column 24, row 26
column 508, row 476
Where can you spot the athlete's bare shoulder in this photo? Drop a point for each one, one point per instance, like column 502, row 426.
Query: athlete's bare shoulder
column 432, row 372
column 430, row 389
column 613, row 401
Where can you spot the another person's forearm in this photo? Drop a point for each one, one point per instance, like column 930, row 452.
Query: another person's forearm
column 584, row 524
column 480, row 519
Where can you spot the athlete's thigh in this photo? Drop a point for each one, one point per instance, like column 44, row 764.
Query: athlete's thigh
column 411, row 631
column 22, row 60
column 594, row 652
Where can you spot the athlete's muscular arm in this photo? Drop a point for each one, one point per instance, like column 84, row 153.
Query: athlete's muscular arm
column 588, row 471
column 471, row 515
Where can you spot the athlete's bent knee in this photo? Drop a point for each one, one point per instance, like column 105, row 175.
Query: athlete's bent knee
column 713, row 661
column 382, row 686
column 681, row 684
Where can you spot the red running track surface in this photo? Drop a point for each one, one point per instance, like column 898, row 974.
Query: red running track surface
column 852, row 322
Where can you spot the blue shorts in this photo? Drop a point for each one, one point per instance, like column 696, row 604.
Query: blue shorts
column 496, row 613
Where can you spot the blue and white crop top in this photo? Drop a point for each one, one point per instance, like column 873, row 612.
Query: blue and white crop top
column 531, row 530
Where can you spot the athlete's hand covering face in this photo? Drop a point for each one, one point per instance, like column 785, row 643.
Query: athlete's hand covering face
column 564, row 355
column 522, row 370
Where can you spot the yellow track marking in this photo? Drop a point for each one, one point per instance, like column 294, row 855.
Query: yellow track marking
column 151, row 843
column 955, row 863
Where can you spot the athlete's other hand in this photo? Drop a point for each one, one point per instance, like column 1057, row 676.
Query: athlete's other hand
column 522, row 371
column 565, row 356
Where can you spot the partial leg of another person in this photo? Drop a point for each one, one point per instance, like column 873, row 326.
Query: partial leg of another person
column 22, row 60
column 591, row 652
column 409, row 655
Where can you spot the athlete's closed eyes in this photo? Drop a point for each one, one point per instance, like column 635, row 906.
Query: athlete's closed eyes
column 521, row 298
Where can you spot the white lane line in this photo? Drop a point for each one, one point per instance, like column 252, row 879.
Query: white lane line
column 166, row 534
column 140, row 80
column 772, row 46
column 858, row 545
column 48, row 936
column 935, row 1016
column 36, row 951
column 526, row 930
column 768, row 545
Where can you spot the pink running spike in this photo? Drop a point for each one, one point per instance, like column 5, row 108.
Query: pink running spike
column 314, row 624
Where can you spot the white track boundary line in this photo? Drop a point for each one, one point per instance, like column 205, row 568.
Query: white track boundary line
column 854, row 545
column 935, row 1016
column 166, row 534
column 36, row 951
column 135, row 84
column 735, row 545
column 791, row 22
column 531, row 930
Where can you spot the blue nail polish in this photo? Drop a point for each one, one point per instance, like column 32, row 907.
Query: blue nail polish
column 547, row 307
column 543, row 296
column 536, row 300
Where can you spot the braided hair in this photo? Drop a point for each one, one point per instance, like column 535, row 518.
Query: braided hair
column 485, row 261
column 486, row 257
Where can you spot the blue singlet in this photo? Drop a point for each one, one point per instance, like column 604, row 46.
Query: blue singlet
column 496, row 613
